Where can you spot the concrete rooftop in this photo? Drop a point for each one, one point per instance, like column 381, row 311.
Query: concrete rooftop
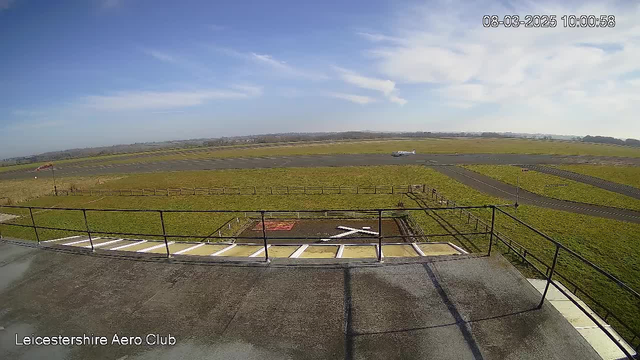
column 448, row 307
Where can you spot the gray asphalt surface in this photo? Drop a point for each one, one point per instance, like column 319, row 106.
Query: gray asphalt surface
column 506, row 191
column 320, row 160
column 461, row 307
column 590, row 180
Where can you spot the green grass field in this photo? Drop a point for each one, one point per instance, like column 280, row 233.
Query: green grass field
column 609, row 243
column 627, row 175
column 556, row 187
column 434, row 146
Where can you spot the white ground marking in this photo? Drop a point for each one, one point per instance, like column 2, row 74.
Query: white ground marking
column 381, row 253
column 340, row 251
column 462, row 251
column 66, row 238
column 417, row 249
column 259, row 252
column 299, row 252
column 80, row 241
column 350, row 231
column 223, row 250
column 126, row 246
column 104, row 243
column 358, row 230
column 155, row 247
column 188, row 249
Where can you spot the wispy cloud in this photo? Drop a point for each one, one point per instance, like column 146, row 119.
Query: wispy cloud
column 110, row 4
column 5, row 4
column 387, row 87
column 179, row 61
column 147, row 100
column 358, row 99
column 286, row 69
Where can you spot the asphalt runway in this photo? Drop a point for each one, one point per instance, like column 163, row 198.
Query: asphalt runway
column 463, row 307
column 266, row 162
column 506, row 191
column 589, row 180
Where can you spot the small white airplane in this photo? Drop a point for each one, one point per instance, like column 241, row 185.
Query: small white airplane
column 403, row 153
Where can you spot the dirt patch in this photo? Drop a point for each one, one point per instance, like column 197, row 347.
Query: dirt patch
column 7, row 217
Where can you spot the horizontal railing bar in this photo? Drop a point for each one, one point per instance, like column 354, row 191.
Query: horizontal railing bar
column 252, row 211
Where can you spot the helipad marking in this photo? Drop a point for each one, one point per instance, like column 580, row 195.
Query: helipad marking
column 104, row 243
column 155, row 247
column 80, row 241
column 259, row 252
column 298, row 252
column 223, row 250
column 349, row 232
column 126, row 246
column 66, row 238
column 188, row 249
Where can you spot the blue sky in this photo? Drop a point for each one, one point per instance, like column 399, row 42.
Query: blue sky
column 103, row 72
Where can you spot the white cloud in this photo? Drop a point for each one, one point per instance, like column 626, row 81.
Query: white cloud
column 387, row 87
column 384, row 86
column 148, row 100
column 249, row 89
column 445, row 48
column 358, row 99
column 159, row 55
column 5, row 4
column 110, row 4
column 284, row 68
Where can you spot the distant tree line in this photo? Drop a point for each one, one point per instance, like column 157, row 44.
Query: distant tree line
column 288, row 137
column 611, row 140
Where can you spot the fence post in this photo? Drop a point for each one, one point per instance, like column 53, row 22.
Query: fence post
column 254, row 190
column 493, row 220
column 86, row 224
column 33, row 222
column 194, row 191
column 553, row 267
column 264, row 237
column 164, row 233
column 357, row 189
column 379, row 235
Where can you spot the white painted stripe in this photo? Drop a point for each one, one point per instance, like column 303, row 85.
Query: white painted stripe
column 358, row 230
column 299, row 252
column 126, row 246
column 80, row 241
column 223, row 250
column 417, row 249
column 155, row 247
column 458, row 248
column 66, row 238
column 259, row 252
column 103, row 244
column 381, row 252
column 340, row 251
column 188, row 249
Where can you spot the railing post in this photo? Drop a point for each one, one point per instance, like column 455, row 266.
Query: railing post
column 86, row 224
column 33, row 222
column 164, row 233
column 264, row 237
column 379, row 235
column 553, row 267
column 493, row 220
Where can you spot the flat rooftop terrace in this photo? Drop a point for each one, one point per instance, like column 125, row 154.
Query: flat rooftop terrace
column 445, row 307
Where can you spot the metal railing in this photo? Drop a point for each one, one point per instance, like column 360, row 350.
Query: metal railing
column 378, row 214
column 550, row 270
column 251, row 190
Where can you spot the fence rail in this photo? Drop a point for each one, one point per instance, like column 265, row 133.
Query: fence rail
column 444, row 205
column 522, row 252
column 252, row 190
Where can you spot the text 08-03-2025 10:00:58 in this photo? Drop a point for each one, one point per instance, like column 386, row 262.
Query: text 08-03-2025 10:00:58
column 549, row 21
